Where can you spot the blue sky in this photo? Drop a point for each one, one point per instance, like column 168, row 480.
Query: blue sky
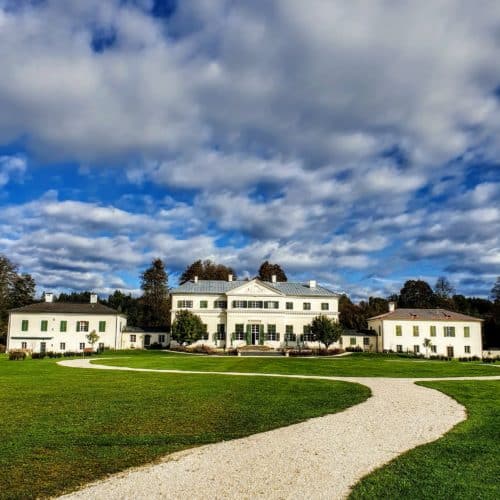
column 356, row 143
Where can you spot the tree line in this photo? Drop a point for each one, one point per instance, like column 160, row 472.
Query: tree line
column 150, row 311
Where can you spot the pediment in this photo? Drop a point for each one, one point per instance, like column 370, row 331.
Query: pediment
column 255, row 288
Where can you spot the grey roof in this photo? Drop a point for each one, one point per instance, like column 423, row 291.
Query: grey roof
column 357, row 333
column 425, row 315
column 219, row 287
column 65, row 307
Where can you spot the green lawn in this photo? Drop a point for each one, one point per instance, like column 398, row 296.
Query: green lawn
column 355, row 365
column 464, row 464
column 62, row 427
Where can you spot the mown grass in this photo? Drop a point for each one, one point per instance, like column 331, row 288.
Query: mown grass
column 62, row 427
column 355, row 365
column 464, row 464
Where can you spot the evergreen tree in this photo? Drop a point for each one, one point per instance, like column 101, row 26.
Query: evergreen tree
column 154, row 283
column 187, row 327
column 206, row 270
column 417, row 294
column 267, row 270
column 495, row 292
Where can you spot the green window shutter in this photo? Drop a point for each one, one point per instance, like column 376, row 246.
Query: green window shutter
column 44, row 325
column 102, row 326
column 249, row 334
column 353, row 340
column 466, row 331
column 399, row 330
column 261, row 334
column 278, row 337
column 433, row 331
column 24, row 325
column 63, row 326
column 415, row 331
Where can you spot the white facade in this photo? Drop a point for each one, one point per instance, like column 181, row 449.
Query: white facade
column 63, row 327
column 138, row 339
column 451, row 334
column 238, row 313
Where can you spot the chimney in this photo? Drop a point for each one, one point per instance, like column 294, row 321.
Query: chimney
column 312, row 283
column 392, row 306
column 93, row 298
column 49, row 297
column 229, row 277
column 273, row 278
column 196, row 279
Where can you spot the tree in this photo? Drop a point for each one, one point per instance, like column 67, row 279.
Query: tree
column 206, row 270
column 351, row 316
column 427, row 345
column 326, row 330
column 417, row 294
column 267, row 270
column 443, row 288
column 75, row 297
column 187, row 327
column 23, row 292
column 92, row 338
column 495, row 292
column 154, row 283
column 126, row 304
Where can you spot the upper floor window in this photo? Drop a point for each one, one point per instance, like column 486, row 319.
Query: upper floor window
column 399, row 330
column 63, row 326
column 449, row 331
column 203, row 304
column 307, row 306
column 82, row 326
column 240, row 304
column 271, row 304
column 466, row 331
column 24, row 325
column 220, row 304
column 102, row 326
column 184, row 304
column 325, row 306
column 255, row 304
column 416, row 331
column 433, row 331
column 44, row 324
column 289, row 306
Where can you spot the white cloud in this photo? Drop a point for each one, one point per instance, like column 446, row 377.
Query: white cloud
column 11, row 167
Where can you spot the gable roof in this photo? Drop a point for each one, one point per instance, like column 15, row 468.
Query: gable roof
column 437, row 314
column 66, row 307
column 220, row 287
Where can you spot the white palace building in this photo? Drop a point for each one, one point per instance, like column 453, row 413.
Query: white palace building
column 255, row 312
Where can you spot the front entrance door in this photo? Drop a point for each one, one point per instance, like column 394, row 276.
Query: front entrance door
column 450, row 352
column 255, row 334
column 43, row 346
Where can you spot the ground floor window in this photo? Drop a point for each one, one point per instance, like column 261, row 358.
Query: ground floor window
column 24, row 345
column 433, row 348
column 271, row 332
column 82, row 346
column 467, row 349
column 290, row 337
column 352, row 341
column 239, row 331
column 416, row 349
column 399, row 348
column 161, row 338
column 204, row 335
column 132, row 339
column 366, row 340
column 62, row 346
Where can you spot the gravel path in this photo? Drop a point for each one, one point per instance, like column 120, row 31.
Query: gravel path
column 320, row 458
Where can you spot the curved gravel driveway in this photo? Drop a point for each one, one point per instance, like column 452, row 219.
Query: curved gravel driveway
column 319, row 458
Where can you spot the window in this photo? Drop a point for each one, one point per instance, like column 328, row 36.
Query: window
column 82, row 326
column 433, row 331
column 24, row 345
column 161, row 339
column 306, row 306
column 416, row 331
column 399, row 330
column 239, row 333
column 289, row 335
column 416, row 349
column 133, row 338
column 62, row 346
column 221, row 332
column 366, row 340
column 44, row 325
column 184, row 304
column 220, row 304
column 352, row 341
column 203, row 304
column 271, row 332
column 467, row 349
column 399, row 348
column 63, row 326
column 307, row 335
column 449, row 331
column 102, row 326
column 433, row 348
column 82, row 346
column 24, row 325
column 325, row 306
column 255, row 304
column 289, row 306
column 239, row 304
column 204, row 335
column 271, row 304
column 466, row 331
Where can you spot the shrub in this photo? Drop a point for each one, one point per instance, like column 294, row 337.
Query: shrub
column 200, row 349
column 178, row 348
column 154, row 346
column 38, row 355
column 302, row 352
column 354, row 349
column 69, row 354
column 17, row 355
column 2, row 348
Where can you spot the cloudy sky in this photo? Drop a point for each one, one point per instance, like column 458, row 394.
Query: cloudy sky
column 353, row 142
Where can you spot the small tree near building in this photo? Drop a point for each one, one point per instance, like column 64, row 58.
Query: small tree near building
column 92, row 338
column 427, row 345
column 187, row 327
column 326, row 330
